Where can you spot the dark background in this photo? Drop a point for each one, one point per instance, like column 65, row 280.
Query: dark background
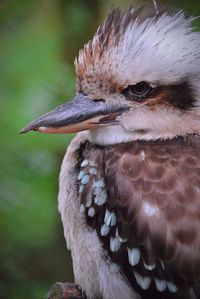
column 38, row 43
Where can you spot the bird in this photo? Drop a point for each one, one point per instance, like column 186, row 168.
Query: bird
column 129, row 186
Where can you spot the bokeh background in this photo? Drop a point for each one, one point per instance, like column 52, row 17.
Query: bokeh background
column 38, row 42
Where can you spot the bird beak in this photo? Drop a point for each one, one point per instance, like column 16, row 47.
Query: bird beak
column 79, row 114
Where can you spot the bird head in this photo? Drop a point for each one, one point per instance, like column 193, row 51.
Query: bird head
column 137, row 79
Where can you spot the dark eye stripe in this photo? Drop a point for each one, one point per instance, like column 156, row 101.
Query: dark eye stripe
column 179, row 95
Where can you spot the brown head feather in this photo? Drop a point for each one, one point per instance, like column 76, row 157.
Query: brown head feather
column 91, row 58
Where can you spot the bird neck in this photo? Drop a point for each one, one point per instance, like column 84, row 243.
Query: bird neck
column 117, row 134
column 110, row 135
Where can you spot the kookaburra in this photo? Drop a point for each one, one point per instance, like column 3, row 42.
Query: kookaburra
column 129, row 193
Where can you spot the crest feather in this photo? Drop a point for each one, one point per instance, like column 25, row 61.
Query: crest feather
column 162, row 47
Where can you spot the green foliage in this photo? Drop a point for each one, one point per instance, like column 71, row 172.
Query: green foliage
column 39, row 40
column 33, row 79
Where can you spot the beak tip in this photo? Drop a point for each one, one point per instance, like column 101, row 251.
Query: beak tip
column 25, row 130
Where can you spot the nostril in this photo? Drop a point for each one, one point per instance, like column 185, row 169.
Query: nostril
column 99, row 100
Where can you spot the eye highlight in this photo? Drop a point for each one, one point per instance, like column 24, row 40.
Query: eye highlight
column 138, row 91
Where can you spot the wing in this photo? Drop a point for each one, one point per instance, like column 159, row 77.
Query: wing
column 143, row 198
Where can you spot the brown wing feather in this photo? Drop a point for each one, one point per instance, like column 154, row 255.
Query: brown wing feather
column 166, row 177
column 153, row 189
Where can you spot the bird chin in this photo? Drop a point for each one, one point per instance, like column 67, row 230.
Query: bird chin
column 112, row 134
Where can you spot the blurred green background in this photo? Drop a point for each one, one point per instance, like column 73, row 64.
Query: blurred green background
column 38, row 43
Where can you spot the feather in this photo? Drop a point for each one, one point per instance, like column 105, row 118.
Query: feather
column 149, row 223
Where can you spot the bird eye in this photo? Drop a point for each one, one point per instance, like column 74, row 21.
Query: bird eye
column 137, row 91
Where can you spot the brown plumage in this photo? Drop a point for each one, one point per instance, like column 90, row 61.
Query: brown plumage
column 164, row 176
